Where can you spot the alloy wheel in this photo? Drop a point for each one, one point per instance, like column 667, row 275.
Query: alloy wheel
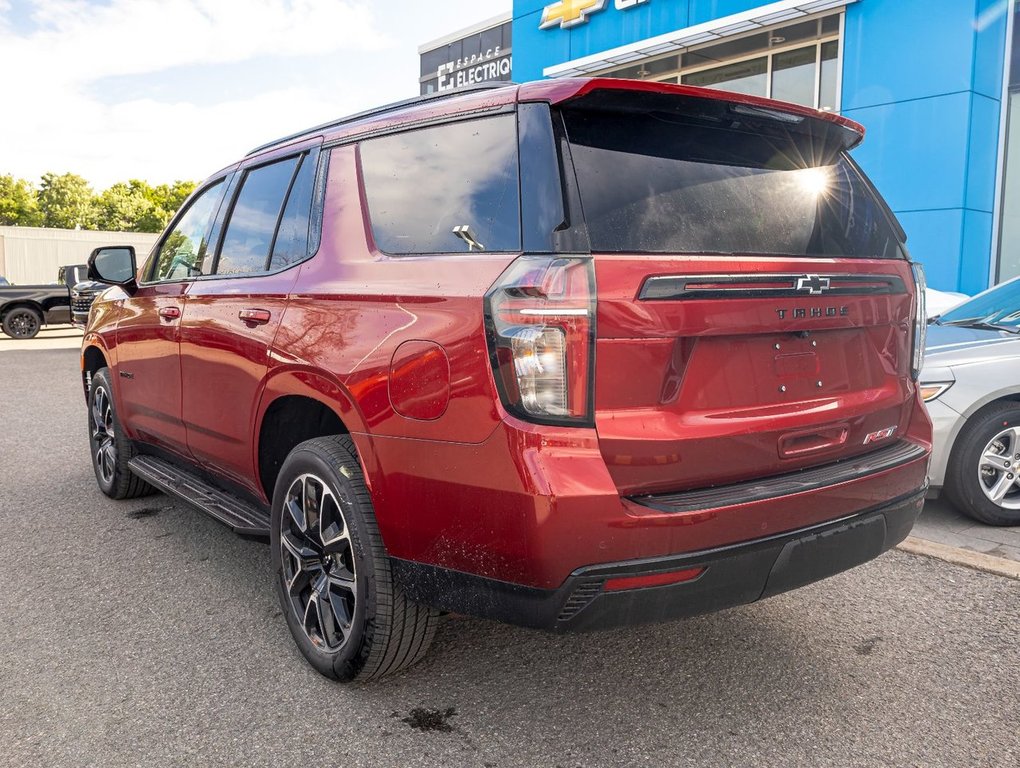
column 104, row 445
column 999, row 469
column 24, row 325
column 318, row 561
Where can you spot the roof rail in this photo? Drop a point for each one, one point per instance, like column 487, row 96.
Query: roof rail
column 393, row 107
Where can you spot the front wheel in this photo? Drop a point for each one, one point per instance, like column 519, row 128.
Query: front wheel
column 110, row 450
column 332, row 573
column 22, row 323
column 983, row 477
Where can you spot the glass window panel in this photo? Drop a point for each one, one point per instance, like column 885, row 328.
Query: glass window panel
column 805, row 30
column 471, row 46
column 184, row 249
column 743, row 77
column 793, row 76
column 432, row 60
column 447, row 189
column 827, row 87
column 728, row 50
column 647, row 187
column 254, row 218
column 830, row 25
column 492, row 39
column 1009, row 254
column 291, row 244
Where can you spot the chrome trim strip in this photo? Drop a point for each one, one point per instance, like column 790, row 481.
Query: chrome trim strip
column 784, row 285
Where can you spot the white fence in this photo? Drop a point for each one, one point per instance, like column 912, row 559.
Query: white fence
column 32, row 255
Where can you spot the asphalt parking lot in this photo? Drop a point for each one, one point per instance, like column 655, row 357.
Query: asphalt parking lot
column 143, row 633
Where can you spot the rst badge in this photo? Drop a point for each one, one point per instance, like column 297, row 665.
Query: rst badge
column 569, row 13
column 881, row 434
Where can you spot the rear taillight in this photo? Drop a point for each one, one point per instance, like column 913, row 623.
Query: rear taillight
column 540, row 317
column 920, row 321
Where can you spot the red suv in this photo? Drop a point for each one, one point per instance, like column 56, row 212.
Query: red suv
column 568, row 354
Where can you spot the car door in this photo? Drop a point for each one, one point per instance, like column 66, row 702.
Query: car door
column 148, row 330
column 232, row 316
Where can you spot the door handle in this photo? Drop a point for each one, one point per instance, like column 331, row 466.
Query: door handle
column 255, row 316
column 169, row 313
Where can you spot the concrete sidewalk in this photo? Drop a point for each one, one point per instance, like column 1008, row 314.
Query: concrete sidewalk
column 942, row 523
column 50, row 337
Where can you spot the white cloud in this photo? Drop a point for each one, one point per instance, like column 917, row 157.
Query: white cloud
column 334, row 57
column 86, row 42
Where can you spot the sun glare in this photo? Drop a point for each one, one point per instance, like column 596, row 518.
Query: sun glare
column 815, row 181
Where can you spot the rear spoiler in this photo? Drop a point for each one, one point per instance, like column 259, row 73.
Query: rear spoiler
column 754, row 107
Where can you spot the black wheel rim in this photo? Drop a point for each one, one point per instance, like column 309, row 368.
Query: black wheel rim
column 318, row 562
column 23, row 325
column 104, row 446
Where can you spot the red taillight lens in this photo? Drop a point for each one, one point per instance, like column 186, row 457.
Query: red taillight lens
column 541, row 331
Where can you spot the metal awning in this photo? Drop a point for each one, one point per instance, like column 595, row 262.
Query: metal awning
column 682, row 39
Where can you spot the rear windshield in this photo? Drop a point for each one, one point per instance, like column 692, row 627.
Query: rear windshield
column 662, row 182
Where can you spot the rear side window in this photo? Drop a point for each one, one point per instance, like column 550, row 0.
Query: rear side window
column 254, row 218
column 668, row 183
column 451, row 188
column 291, row 244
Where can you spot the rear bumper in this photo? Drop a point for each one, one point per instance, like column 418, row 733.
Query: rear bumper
column 732, row 575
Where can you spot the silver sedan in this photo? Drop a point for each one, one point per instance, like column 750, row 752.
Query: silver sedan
column 971, row 384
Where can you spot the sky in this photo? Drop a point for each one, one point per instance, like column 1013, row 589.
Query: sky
column 175, row 89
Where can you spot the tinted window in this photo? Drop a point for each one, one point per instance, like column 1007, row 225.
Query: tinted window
column 253, row 219
column 672, row 183
column 183, row 251
column 448, row 189
column 291, row 244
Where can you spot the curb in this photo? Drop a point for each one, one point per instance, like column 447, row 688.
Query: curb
column 968, row 558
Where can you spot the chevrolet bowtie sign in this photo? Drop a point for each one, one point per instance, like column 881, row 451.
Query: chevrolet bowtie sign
column 569, row 13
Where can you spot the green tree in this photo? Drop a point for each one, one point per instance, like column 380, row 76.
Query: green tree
column 67, row 202
column 125, row 207
column 166, row 199
column 18, row 205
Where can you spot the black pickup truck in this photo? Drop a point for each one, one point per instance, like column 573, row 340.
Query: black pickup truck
column 24, row 309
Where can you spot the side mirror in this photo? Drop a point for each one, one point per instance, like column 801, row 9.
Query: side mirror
column 115, row 265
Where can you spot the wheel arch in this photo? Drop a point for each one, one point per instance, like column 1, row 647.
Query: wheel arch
column 23, row 303
column 299, row 405
column 92, row 359
column 972, row 414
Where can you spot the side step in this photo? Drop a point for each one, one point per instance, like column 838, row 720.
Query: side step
column 243, row 517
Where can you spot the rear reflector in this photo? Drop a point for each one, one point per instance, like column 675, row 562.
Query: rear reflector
column 652, row 580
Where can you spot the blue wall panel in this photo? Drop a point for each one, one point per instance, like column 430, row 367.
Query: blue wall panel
column 990, row 51
column 534, row 50
column 611, row 28
column 975, row 251
column 906, row 49
column 916, row 151
column 706, row 10
column 983, row 153
column 933, row 238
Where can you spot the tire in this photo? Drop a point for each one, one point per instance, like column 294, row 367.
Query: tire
column 346, row 614
column 22, row 323
column 110, row 450
column 976, row 476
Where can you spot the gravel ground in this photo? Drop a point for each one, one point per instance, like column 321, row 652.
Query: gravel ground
column 143, row 633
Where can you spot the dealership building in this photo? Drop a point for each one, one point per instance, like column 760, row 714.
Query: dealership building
column 933, row 81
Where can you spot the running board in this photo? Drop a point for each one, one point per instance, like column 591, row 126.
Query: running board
column 243, row 517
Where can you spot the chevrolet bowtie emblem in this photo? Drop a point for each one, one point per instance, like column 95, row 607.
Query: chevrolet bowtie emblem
column 569, row 13
column 813, row 284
